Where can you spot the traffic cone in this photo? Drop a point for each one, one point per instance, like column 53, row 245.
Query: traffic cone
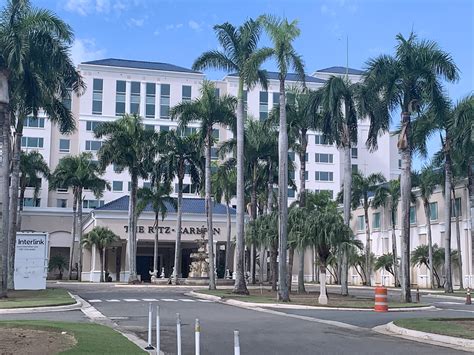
column 468, row 296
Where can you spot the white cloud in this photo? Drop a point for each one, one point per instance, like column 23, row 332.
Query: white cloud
column 136, row 22
column 87, row 7
column 156, row 33
column 194, row 25
column 325, row 10
column 173, row 26
column 82, row 7
column 84, row 50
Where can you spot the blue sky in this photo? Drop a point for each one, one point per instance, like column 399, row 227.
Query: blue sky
column 178, row 31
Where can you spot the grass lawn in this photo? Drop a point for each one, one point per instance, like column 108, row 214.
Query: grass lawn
column 40, row 298
column 307, row 299
column 455, row 327
column 91, row 338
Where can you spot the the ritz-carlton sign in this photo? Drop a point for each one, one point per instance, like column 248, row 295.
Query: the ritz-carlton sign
column 169, row 230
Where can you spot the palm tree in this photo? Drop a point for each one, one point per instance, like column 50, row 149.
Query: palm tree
column 79, row 173
column 385, row 262
column 101, row 237
column 34, row 58
column 209, row 110
column 223, row 186
column 406, row 81
column 282, row 34
column 426, row 180
column 129, row 146
column 157, row 196
column 388, row 195
column 182, row 156
column 58, row 262
column 239, row 55
column 31, row 165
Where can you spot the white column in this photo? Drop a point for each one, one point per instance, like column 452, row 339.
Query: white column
column 157, row 101
column 128, row 90
column 142, row 98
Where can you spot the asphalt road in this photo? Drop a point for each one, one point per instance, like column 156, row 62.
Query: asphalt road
column 260, row 332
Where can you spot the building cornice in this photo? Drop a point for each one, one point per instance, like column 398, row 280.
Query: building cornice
column 138, row 71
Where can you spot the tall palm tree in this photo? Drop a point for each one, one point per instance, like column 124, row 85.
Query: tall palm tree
column 388, row 195
column 101, row 237
column 129, row 146
column 79, row 173
column 34, row 57
column 223, row 186
column 210, row 110
column 409, row 79
column 282, row 34
column 32, row 164
column 157, row 196
column 426, row 180
column 240, row 54
column 181, row 156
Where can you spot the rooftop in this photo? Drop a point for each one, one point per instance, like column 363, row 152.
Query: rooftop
column 340, row 70
column 190, row 205
column 138, row 64
column 272, row 75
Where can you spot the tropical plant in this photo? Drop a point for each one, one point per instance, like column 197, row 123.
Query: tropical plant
column 129, row 146
column 240, row 54
column 101, row 237
column 79, row 173
column 282, row 34
column 32, row 164
column 385, row 262
column 408, row 80
column 58, row 262
column 209, row 110
column 34, row 59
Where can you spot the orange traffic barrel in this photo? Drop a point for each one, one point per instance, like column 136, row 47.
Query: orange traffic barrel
column 381, row 300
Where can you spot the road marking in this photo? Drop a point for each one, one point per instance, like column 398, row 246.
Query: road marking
column 186, row 300
column 95, row 301
column 206, row 301
column 450, row 302
column 130, row 300
column 168, row 300
column 150, row 299
column 113, row 300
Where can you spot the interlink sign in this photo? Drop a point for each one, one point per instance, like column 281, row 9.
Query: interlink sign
column 31, row 261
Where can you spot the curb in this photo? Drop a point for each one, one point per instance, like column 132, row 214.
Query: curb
column 446, row 297
column 294, row 306
column 424, row 337
column 62, row 308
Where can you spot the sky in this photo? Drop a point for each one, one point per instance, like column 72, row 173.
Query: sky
column 178, row 31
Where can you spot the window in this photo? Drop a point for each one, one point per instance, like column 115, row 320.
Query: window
column 306, row 176
column 187, row 131
column 433, row 211
column 120, row 92
column 165, row 101
column 306, row 157
column 354, row 153
column 360, row 223
column 324, row 176
column 376, row 220
column 33, row 183
column 67, row 99
column 97, row 91
column 215, row 134
column 186, row 93
column 412, row 214
column 399, row 163
column 291, row 174
column 291, row 192
column 61, row 203
column 164, row 128
column 147, row 185
column 64, row 145
column 149, row 127
column 291, row 156
column 150, row 100
column 320, row 140
column 31, row 202
column 117, row 169
column 276, row 99
column 214, row 155
column 456, row 210
column 32, row 122
column 324, row 158
column 92, row 125
column 93, row 145
column 62, row 190
column 135, row 97
column 117, row 186
column 187, row 188
column 92, row 203
column 263, row 105
column 32, row 142
column 355, row 168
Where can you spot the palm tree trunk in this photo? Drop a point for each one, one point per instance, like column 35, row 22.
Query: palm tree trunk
column 302, row 156
column 323, row 299
column 283, row 197
column 426, row 206
column 347, row 213
column 101, row 257
column 273, row 267
column 74, row 232
column 470, row 184
column 210, row 230
column 291, row 257
column 20, row 206
column 155, row 246
column 367, row 244
column 448, row 285
column 405, row 197
column 177, row 248
column 5, row 184
column 253, row 215
column 228, row 254
column 262, row 259
column 301, row 288
column 132, row 230
column 394, row 249
column 458, row 237
column 240, row 286
column 79, row 232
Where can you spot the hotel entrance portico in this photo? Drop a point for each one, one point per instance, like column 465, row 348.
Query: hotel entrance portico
column 114, row 215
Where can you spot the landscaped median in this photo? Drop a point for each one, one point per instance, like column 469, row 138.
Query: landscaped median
column 267, row 298
column 41, row 298
column 45, row 337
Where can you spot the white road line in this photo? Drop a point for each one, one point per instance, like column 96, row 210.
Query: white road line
column 113, row 300
column 186, row 300
column 95, row 301
column 168, row 300
column 206, row 301
column 450, row 302
column 130, row 300
column 149, row 299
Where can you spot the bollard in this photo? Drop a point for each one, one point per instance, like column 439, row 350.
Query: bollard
column 417, row 295
column 236, row 343
column 178, row 334
column 150, row 315
column 158, row 329
column 381, row 304
column 468, row 296
column 197, row 337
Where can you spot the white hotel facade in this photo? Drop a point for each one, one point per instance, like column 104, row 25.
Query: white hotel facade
column 115, row 87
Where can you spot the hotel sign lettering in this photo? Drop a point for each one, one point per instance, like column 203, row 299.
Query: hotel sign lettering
column 169, row 230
